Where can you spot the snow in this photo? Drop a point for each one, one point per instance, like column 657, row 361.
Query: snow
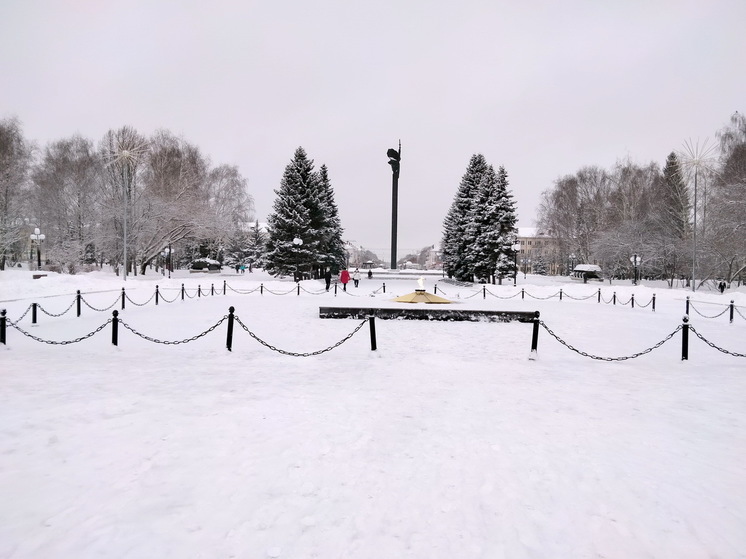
column 445, row 442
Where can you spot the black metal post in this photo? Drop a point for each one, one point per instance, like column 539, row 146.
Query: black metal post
column 435, row 289
column 653, row 302
column 335, row 288
column 384, row 288
column 156, row 295
column 614, row 298
column 535, row 337
column 123, row 298
column 732, row 307
column 77, row 299
column 212, row 289
column 599, row 294
column 484, row 292
column 394, row 161
column 115, row 328
column 687, row 306
column 372, row 323
column 685, row 340
column 560, row 294
column 229, row 341
column 224, row 282
column 299, row 288
column 2, row 326
column 182, row 291
column 170, row 265
column 33, row 313
column 523, row 293
column 261, row 289
column 199, row 291
column 633, row 300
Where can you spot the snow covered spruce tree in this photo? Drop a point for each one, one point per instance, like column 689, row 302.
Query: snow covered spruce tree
column 304, row 230
column 456, row 239
column 479, row 230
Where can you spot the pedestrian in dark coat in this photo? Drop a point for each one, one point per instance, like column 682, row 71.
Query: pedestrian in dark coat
column 328, row 278
column 344, row 277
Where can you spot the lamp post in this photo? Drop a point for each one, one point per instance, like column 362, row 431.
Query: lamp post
column 37, row 237
column 572, row 262
column 636, row 260
column 394, row 161
column 298, row 242
column 516, row 250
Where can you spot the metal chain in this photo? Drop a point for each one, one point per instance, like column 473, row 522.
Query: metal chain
column 321, row 292
column 24, row 313
column 99, row 310
column 294, row 354
column 176, row 342
column 473, row 294
column 543, row 298
column 720, row 349
column 645, row 305
column 165, row 299
column 242, row 292
column 691, row 305
column 624, row 358
column 579, row 298
column 621, row 303
column 499, row 297
column 52, row 342
column 140, row 304
column 276, row 293
column 42, row 309
column 735, row 308
column 605, row 301
column 190, row 296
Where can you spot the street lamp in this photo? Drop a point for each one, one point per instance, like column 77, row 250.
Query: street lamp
column 572, row 262
column 516, row 250
column 636, row 260
column 37, row 237
column 298, row 242
column 166, row 254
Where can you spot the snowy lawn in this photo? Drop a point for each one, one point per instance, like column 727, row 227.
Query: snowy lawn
column 446, row 442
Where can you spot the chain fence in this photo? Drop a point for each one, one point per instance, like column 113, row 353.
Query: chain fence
column 712, row 345
column 116, row 301
column 600, row 358
column 297, row 354
column 64, row 342
column 691, row 306
column 173, row 342
column 42, row 309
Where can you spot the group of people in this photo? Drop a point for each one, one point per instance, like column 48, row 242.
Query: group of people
column 345, row 277
column 241, row 268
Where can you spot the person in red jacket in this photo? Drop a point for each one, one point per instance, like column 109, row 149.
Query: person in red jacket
column 344, row 277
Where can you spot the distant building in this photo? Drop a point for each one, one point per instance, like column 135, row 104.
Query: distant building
column 535, row 246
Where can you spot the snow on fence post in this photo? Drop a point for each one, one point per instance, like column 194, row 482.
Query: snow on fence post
column 534, row 337
column 229, row 341
column 731, row 311
column 156, row 295
column 2, row 326
column 77, row 299
column 685, row 339
column 372, row 323
column 33, row 313
column 123, row 298
column 115, row 328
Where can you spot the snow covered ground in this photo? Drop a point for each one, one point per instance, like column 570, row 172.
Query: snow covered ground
column 446, row 442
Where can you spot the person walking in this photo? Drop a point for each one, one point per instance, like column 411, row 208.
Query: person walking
column 344, row 277
column 370, row 274
column 328, row 278
column 356, row 277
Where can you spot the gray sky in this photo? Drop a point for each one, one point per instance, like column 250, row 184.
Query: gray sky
column 542, row 88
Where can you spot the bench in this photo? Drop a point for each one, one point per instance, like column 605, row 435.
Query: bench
column 37, row 276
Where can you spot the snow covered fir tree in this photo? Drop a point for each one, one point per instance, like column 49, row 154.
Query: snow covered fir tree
column 305, row 234
column 479, row 231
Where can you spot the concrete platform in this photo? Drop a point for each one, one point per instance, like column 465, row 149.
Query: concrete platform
column 429, row 313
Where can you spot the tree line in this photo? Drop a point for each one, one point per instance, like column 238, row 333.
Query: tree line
column 685, row 218
column 87, row 198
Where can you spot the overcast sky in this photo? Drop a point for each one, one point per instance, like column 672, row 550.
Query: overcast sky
column 542, row 88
